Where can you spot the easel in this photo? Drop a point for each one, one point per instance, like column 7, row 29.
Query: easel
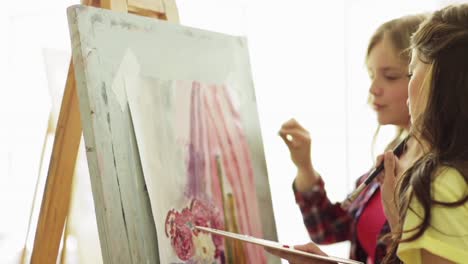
column 128, row 239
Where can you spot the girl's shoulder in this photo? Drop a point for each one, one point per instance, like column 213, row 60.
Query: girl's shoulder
column 449, row 184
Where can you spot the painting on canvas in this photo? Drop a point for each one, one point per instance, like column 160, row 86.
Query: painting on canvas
column 194, row 112
column 201, row 168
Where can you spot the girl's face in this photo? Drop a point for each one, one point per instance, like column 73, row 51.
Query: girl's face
column 389, row 84
column 417, row 86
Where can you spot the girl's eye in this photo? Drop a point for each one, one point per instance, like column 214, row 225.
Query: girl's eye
column 392, row 78
column 409, row 75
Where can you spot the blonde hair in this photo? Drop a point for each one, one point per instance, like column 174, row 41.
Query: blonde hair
column 399, row 32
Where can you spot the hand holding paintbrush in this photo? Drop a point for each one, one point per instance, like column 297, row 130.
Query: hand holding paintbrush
column 397, row 151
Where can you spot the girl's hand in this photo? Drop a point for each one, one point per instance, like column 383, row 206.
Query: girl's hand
column 388, row 181
column 298, row 141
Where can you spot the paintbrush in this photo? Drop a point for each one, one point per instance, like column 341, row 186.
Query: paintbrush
column 397, row 151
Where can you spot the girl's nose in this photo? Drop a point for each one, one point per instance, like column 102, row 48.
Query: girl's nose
column 375, row 89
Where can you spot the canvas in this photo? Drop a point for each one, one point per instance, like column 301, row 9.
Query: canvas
column 194, row 113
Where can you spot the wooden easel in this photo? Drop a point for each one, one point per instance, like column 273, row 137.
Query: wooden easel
column 128, row 239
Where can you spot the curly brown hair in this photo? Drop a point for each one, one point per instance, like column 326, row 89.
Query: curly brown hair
column 442, row 41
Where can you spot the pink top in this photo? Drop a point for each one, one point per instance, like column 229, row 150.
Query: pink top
column 369, row 225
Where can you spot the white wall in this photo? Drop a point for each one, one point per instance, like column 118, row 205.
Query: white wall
column 27, row 28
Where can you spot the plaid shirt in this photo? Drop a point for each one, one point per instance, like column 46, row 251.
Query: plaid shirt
column 328, row 223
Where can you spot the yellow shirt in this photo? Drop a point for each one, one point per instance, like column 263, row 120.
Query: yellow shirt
column 447, row 234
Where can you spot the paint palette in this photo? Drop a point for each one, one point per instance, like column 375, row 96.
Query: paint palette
column 276, row 246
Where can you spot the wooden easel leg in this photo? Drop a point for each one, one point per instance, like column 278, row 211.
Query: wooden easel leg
column 56, row 199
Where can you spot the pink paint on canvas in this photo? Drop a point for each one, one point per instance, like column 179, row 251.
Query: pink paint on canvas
column 220, row 189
